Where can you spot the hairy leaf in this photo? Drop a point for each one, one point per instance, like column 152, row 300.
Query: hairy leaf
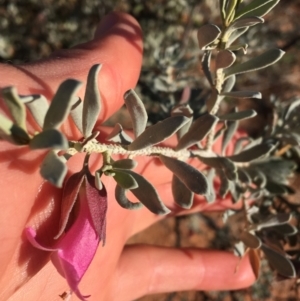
column 206, row 66
column 120, row 195
column 262, row 61
column 136, row 111
column 207, row 34
column 124, row 179
column 12, row 133
column 158, row 132
column 274, row 220
column 117, row 135
column 225, row 58
column 279, row 262
column 148, row 195
column 250, row 240
column 61, row 104
column 242, row 94
column 229, row 84
column 15, row 106
column 182, row 195
column 235, row 35
column 51, row 138
column 243, row 22
column 256, row 8
column 188, row 175
column 224, row 185
column 253, row 153
column 76, row 114
column 124, row 164
column 91, row 102
column 198, row 131
column 231, row 128
column 238, row 115
column 183, row 110
column 38, row 107
column 211, row 195
column 53, row 169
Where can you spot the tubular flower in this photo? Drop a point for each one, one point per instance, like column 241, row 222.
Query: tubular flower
column 82, row 227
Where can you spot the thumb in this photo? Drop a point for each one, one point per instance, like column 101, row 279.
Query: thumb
column 117, row 45
column 169, row 269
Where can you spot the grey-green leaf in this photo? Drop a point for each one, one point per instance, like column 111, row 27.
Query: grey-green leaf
column 231, row 128
column 274, row 220
column 61, row 104
column 187, row 174
column 38, row 107
column 98, row 182
column 198, row 131
column 211, row 195
column 183, row 110
column 53, row 169
column 243, row 22
column 76, row 114
column 205, row 62
column 148, row 195
column 12, row 133
column 51, row 138
column 15, row 106
column 250, row 240
column 117, row 135
column 120, row 195
column 207, row 34
column 124, row 179
column 279, row 261
column 225, row 58
column 158, row 132
column 222, row 163
column 256, row 8
column 136, row 111
column 124, row 164
column 238, row 115
column 253, row 153
column 262, row 61
column 229, row 84
column 243, row 94
column 91, row 102
column 182, row 195
column 235, row 35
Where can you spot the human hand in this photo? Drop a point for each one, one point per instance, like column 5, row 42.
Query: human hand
column 118, row 272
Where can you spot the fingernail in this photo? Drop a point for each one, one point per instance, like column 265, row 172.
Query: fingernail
column 106, row 24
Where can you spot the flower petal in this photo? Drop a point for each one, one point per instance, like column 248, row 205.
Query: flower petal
column 97, row 202
column 78, row 247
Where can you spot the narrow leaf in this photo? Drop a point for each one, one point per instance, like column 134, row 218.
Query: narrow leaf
column 205, row 62
column 274, row 220
column 187, row 174
column 224, row 185
column 198, row 131
column 124, row 164
column 61, row 104
column 182, row 195
column 290, row 109
column 279, row 262
column 211, row 195
column 12, row 133
column 125, row 180
column 243, row 94
column 243, row 22
column 183, row 110
column 235, row 35
column 229, row 84
column 262, row 61
column 221, row 163
column 76, row 114
column 148, row 195
column 254, row 261
column 231, row 128
column 51, row 138
column 250, row 240
column 15, row 106
column 257, row 8
column 253, row 153
column 117, row 135
column 207, row 34
column 38, row 108
column 136, row 111
column 120, row 195
column 158, row 132
column 53, row 169
column 238, row 115
column 91, row 101
column 225, row 58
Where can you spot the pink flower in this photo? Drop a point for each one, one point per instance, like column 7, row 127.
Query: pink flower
column 82, row 227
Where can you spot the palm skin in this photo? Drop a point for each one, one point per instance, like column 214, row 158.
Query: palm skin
column 118, row 272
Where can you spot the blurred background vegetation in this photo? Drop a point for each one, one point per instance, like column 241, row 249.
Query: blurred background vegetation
column 33, row 29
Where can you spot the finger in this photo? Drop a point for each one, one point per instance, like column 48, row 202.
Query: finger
column 117, row 46
column 144, row 270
